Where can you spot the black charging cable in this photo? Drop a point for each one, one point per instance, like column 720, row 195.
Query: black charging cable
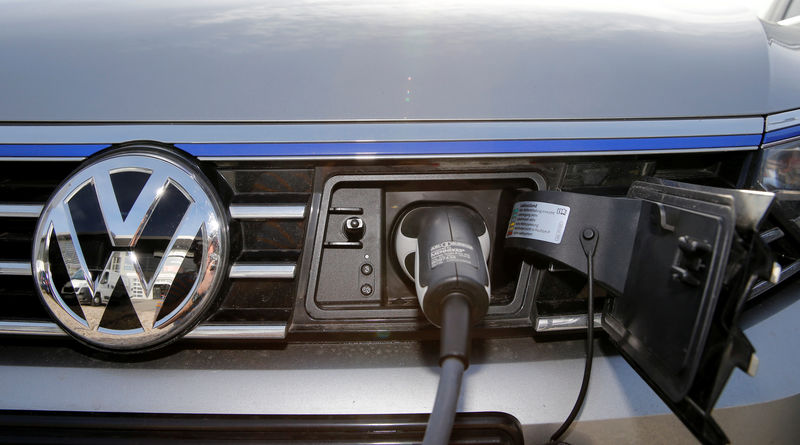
column 589, row 243
column 453, row 359
column 450, row 247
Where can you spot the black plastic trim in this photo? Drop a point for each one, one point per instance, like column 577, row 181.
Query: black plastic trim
column 87, row 428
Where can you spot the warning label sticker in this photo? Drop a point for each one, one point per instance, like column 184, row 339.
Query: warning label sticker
column 452, row 252
column 541, row 221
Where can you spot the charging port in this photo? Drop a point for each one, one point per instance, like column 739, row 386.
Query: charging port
column 341, row 296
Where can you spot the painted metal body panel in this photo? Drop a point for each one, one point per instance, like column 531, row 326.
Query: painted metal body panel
column 533, row 381
column 334, row 60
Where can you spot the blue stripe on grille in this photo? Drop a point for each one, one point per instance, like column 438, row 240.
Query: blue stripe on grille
column 50, row 150
column 783, row 133
column 408, row 148
column 468, row 147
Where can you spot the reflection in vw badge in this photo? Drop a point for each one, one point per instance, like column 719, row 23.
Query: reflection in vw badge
column 128, row 249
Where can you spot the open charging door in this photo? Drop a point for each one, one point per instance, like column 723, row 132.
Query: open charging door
column 679, row 261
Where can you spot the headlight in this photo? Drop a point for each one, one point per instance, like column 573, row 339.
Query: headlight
column 779, row 172
column 780, row 167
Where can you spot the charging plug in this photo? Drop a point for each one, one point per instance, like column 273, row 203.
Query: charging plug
column 444, row 249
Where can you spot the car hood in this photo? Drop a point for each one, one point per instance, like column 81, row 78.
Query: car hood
column 338, row 60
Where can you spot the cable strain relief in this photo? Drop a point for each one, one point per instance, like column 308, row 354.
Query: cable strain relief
column 456, row 323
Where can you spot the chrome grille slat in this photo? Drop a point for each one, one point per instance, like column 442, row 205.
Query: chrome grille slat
column 15, row 268
column 218, row 331
column 238, row 211
column 274, row 211
column 556, row 323
column 263, row 270
column 275, row 331
column 8, row 210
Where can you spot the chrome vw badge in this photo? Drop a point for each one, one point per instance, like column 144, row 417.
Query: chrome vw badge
column 127, row 251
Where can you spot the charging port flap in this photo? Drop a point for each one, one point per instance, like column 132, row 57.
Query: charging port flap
column 679, row 260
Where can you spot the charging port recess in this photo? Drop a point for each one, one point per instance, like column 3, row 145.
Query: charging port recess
column 356, row 284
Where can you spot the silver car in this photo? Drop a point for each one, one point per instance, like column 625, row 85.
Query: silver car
column 290, row 221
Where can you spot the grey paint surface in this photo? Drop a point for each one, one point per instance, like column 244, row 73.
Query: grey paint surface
column 768, row 423
column 784, row 64
column 535, row 381
column 323, row 60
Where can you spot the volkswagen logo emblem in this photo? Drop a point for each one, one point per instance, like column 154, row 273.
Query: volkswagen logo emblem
column 129, row 251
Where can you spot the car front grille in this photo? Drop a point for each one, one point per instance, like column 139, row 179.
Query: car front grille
column 271, row 208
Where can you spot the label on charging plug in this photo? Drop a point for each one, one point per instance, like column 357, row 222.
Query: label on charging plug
column 452, row 252
column 542, row 221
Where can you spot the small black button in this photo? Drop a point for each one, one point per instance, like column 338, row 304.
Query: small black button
column 354, row 228
column 366, row 290
column 366, row 268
